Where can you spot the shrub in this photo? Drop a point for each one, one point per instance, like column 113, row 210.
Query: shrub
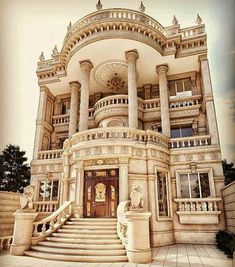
column 226, row 242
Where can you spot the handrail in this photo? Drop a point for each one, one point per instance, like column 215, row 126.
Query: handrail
column 122, row 221
column 53, row 221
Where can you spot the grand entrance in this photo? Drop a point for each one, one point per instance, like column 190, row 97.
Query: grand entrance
column 101, row 193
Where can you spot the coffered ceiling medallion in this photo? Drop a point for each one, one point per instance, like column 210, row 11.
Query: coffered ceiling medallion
column 112, row 74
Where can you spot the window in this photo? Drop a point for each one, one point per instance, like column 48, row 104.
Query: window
column 180, row 88
column 48, row 190
column 182, row 131
column 195, row 185
column 65, row 106
column 162, row 189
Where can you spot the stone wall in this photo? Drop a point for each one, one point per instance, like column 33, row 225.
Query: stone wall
column 228, row 193
column 9, row 203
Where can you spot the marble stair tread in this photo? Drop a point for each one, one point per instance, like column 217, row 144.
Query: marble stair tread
column 91, row 223
column 98, row 227
column 83, row 241
column 94, row 219
column 81, row 246
column 75, row 258
column 82, row 252
column 88, row 236
column 93, row 232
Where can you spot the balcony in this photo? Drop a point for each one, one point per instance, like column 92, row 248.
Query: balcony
column 50, row 154
column 198, row 210
column 191, row 141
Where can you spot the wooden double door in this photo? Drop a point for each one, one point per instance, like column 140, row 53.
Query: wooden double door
column 101, row 193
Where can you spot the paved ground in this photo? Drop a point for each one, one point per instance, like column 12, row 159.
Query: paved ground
column 169, row 256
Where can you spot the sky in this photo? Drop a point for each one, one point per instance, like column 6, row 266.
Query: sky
column 28, row 27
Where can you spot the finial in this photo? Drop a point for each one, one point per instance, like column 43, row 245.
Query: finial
column 142, row 7
column 55, row 50
column 42, row 58
column 99, row 5
column 70, row 26
column 174, row 21
column 198, row 19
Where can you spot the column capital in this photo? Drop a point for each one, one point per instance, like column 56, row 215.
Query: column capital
column 75, row 84
column 161, row 68
column 202, row 57
column 86, row 65
column 131, row 55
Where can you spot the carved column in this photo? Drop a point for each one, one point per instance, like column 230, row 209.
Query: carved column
column 73, row 117
column 86, row 67
column 123, row 179
column 131, row 57
column 164, row 99
column 40, row 119
column 65, row 180
column 78, row 208
column 208, row 97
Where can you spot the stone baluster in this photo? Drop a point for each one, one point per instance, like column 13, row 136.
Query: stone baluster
column 73, row 117
column 164, row 99
column 131, row 57
column 86, row 67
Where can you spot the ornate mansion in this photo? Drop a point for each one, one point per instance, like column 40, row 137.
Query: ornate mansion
column 127, row 138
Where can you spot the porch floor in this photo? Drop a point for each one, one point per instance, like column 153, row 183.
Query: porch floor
column 180, row 255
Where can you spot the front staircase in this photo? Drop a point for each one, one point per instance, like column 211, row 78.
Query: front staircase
column 82, row 240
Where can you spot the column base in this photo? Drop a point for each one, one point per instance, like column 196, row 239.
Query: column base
column 18, row 250
column 78, row 211
column 139, row 256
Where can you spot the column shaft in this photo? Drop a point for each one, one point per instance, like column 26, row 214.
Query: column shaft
column 86, row 67
column 210, row 107
column 131, row 57
column 164, row 99
column 73, row 117
column 123, row 180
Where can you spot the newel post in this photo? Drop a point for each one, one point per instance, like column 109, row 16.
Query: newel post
column 138, row 244
column 23, row 228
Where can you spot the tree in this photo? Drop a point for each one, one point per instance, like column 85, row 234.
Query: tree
column 229, row 172
column 14, row 171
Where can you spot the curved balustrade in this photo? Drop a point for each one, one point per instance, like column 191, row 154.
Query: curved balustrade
column 191, row 141
column 45, row 206
column 122, row 221
column 54, row 221
column 50, row 154
column 120, row 133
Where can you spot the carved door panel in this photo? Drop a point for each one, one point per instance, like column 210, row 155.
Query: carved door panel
column 101, row 193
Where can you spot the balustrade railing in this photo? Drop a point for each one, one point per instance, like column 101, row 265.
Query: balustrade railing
column 58, row 119
column 197, row 204
column 111, row 100
column 122, row 221
column 50, row 154
column 5, row 242
column 191, row 141
column 45, row 206
column 121, row 133
column 54, row 221
column 185, row 102
column 91, row 112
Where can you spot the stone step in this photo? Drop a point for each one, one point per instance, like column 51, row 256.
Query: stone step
column 82, row 241
column 103, row 223
column 94, row 219
column 6, row 226
column 7, row 220
column 82, row 252
column 93, row 232
column 85, row 236
column 81, row 246
column 93, row 226
column 8, row 207
column 6, row 214
column 60, row 257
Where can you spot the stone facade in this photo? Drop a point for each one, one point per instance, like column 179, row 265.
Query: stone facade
column 125, row 93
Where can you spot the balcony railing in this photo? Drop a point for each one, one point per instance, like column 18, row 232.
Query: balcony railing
column 45, row 206
column 191, row 141
column 198, row 210
column 59, row 119
column 121, row 134
column 185, row 101
column 50, row 154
